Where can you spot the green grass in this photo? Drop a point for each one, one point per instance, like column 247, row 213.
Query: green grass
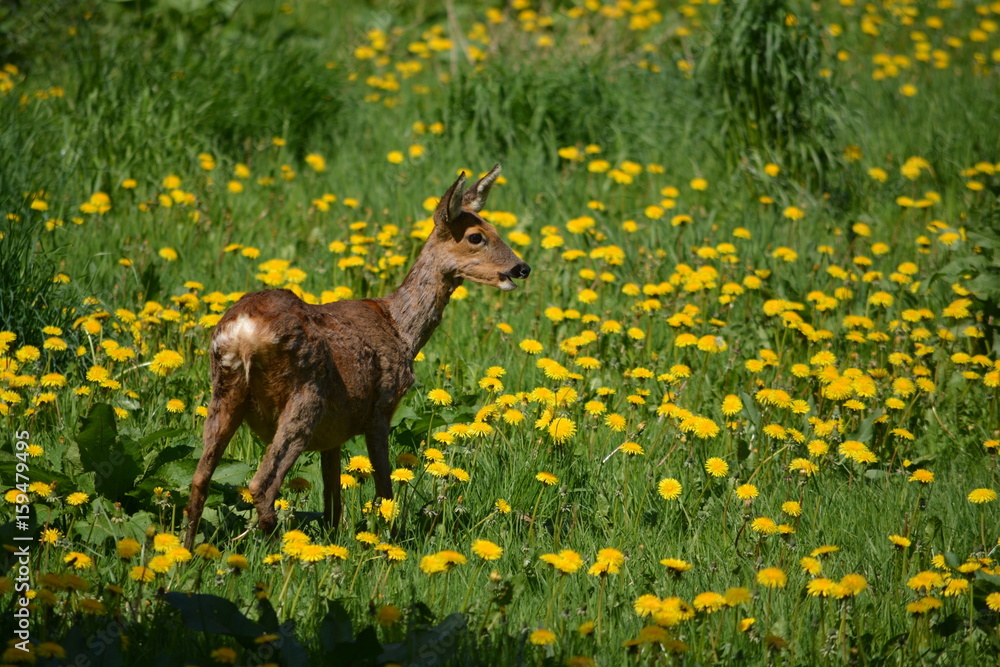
column 109, row 92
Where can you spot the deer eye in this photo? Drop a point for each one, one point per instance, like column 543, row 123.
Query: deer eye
column 475, row 239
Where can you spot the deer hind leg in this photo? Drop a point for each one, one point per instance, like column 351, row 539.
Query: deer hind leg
column 332, row 508
column 377, row 441
column 226, row 411
column 295, row 430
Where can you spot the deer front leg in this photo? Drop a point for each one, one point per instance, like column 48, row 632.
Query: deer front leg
column 377, row 440
column 332, row 509
column 225, row 414
column 295, row 431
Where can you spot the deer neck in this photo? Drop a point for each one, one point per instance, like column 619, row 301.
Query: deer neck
column 418, row 303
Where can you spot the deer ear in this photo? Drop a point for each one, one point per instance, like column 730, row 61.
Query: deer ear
column 475, row 197
column 450, row 206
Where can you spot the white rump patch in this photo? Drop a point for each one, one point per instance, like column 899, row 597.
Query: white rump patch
column 236, row 343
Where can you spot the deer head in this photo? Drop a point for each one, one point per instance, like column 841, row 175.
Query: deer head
column 468, row 246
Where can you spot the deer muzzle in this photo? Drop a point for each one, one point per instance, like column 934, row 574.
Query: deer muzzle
column 520, row 271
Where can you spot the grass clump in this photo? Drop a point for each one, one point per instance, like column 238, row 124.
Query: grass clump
column 767, row 73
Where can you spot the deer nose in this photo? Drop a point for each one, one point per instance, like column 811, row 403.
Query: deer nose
column 520, row 271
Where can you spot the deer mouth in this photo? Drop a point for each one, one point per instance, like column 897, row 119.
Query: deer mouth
column 520, row 271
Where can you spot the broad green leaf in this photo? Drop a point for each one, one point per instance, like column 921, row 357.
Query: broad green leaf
column 750, row 409
column 165, row 456
column 115, row 472
column 161, row 434
column 426, row 643
column 179, row 474
column 212, row 614
column 336, row 627
column 97, row 530
column 867, row 428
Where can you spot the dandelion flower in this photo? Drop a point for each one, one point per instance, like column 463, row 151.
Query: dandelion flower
column 716, row 467
column 530, row 346
column 310, row 553
column 646, row 605
column 547, row 478
column 561, row 429
column 77, row 498
column 487, row 550
column 439, row 397
column 316, row 162
column 737, row 596
column 79, row 561
column 926, row 580
column 678, row 565
column 708, row 602
column 207, row 551
column 811, row 565
column 979, row 496
column 542, row 637
column 731, row 405
column 566, row 561
column 360, row 464
column 388, row 615
column 772, row 577
column 632, row 449
column 160, row 564
column 764, row 525
column 165, row 362
column 224, row 655
column 164, row 542
column 956, row 587
column 388, row 509
column 669, row 488
column 615, row 422
column 402, row 475
column 611, row 556
column 821, row 587
column 92, row 606
column 237, row 562
column 127, row 548
column 853, row 583
column 438, row 469
column 512, row 416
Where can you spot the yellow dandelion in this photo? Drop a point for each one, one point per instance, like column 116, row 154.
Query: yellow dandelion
column 669, row 488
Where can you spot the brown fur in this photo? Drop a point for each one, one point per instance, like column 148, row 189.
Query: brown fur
column 309, row 378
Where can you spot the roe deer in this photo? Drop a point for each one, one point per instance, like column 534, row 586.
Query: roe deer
column 308, row 378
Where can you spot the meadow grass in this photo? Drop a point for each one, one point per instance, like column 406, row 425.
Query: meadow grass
column 745, row 407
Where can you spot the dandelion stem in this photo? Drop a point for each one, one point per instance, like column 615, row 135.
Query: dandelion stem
column 982, row 526
column 288, row 579
column 298, row 593
column 472, row 581
column 600, row 608
column 534, row 517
